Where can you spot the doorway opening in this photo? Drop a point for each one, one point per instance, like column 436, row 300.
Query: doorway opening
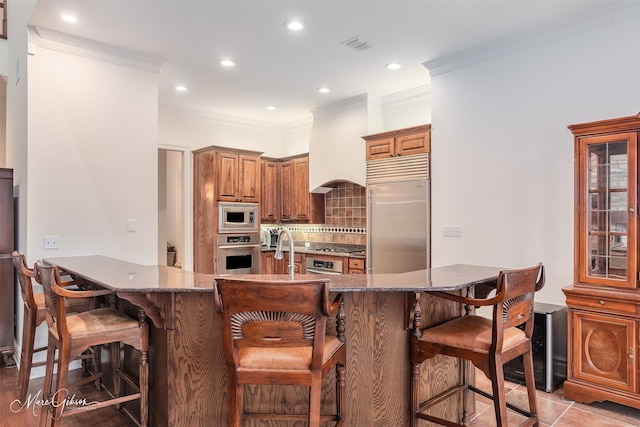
column 171, row 235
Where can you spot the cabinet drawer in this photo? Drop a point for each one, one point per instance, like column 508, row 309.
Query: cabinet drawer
column 356, row 263
column 602, row 304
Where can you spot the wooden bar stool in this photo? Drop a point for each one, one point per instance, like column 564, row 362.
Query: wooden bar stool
column 274, row 334
column 34, row 315
column 487, row 343
column 73, row 334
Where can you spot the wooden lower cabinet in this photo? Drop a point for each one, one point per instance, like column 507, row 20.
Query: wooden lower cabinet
column 356, row 266
column 268, row 262
column 270, row 265
column 604, row 347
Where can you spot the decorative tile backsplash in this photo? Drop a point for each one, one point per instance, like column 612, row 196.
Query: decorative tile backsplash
column 345, row 218
column 346, row 206
column 326, row 234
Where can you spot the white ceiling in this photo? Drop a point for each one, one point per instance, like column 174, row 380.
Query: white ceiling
column 276, row 66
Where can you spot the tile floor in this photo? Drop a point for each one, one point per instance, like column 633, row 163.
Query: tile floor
column 554, row 410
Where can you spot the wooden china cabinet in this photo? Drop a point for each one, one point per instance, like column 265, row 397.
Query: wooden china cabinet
column 604, row 301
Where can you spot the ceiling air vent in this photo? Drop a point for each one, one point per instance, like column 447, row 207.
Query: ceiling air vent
column 356, row 44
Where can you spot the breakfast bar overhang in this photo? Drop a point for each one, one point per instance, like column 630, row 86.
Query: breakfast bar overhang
column 187, row 367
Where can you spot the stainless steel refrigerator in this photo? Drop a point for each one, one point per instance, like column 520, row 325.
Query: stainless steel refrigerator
column 398, row 226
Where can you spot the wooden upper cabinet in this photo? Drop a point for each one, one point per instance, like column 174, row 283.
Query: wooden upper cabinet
column 401, row 142
column 301, row 189
column 238, row 177
column 296, row 203
column 249, row 178
column 227, row 168
column 286, row 190
column 269, row 209
column 381, row 148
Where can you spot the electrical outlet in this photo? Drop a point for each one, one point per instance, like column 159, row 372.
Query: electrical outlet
column 50, row 242
column 452, row 231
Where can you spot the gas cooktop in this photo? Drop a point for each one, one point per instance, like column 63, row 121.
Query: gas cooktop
column 338, row 250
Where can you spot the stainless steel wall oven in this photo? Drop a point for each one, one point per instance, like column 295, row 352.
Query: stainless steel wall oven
column 238, row 254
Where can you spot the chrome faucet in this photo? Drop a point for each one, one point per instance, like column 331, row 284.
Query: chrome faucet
column 279, row 254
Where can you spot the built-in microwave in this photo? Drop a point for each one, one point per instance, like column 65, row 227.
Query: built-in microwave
column 237, row 217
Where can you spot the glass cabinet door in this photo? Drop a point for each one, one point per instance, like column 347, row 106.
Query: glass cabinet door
column 607, row 210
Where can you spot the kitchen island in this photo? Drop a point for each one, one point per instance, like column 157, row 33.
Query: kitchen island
column 188, row 374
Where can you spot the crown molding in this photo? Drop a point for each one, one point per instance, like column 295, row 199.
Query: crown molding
column 405, row 96
column 299, row 124
column 547, row 34
column 54, row 40
column 215, row 117
column 348, row 104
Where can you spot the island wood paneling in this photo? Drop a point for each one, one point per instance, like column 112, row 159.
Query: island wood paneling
column 188, row 375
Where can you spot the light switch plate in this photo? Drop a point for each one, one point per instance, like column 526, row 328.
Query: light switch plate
column 131, row 225
column 452, row 231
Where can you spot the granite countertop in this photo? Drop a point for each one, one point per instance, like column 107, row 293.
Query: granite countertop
column 123, row 276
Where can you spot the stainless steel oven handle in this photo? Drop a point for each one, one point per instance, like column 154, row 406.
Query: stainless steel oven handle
column 238, row 246
column 314, row 271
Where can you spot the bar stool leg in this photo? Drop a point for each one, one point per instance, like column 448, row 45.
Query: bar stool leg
column 143, row 380
column 46, row 410
column 26, row 355
column 341, row 394
column 500, row 403
column 115, row 361
column 60, row 392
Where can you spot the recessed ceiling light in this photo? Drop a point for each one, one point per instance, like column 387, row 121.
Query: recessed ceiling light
column 227, row 62
column 271, row 107
column 294, row 25
column 181, row 88
column 393, row 65
column 69, row 18
column 323, row 89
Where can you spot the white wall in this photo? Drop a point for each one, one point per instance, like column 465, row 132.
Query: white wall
column 406, row 109
column 197, row 129
column 295, row 138
column 16, row 133
column 92, row 154
column 502, row 154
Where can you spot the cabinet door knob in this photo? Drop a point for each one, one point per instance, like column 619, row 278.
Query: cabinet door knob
column 630, row 353
column 601, row 302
